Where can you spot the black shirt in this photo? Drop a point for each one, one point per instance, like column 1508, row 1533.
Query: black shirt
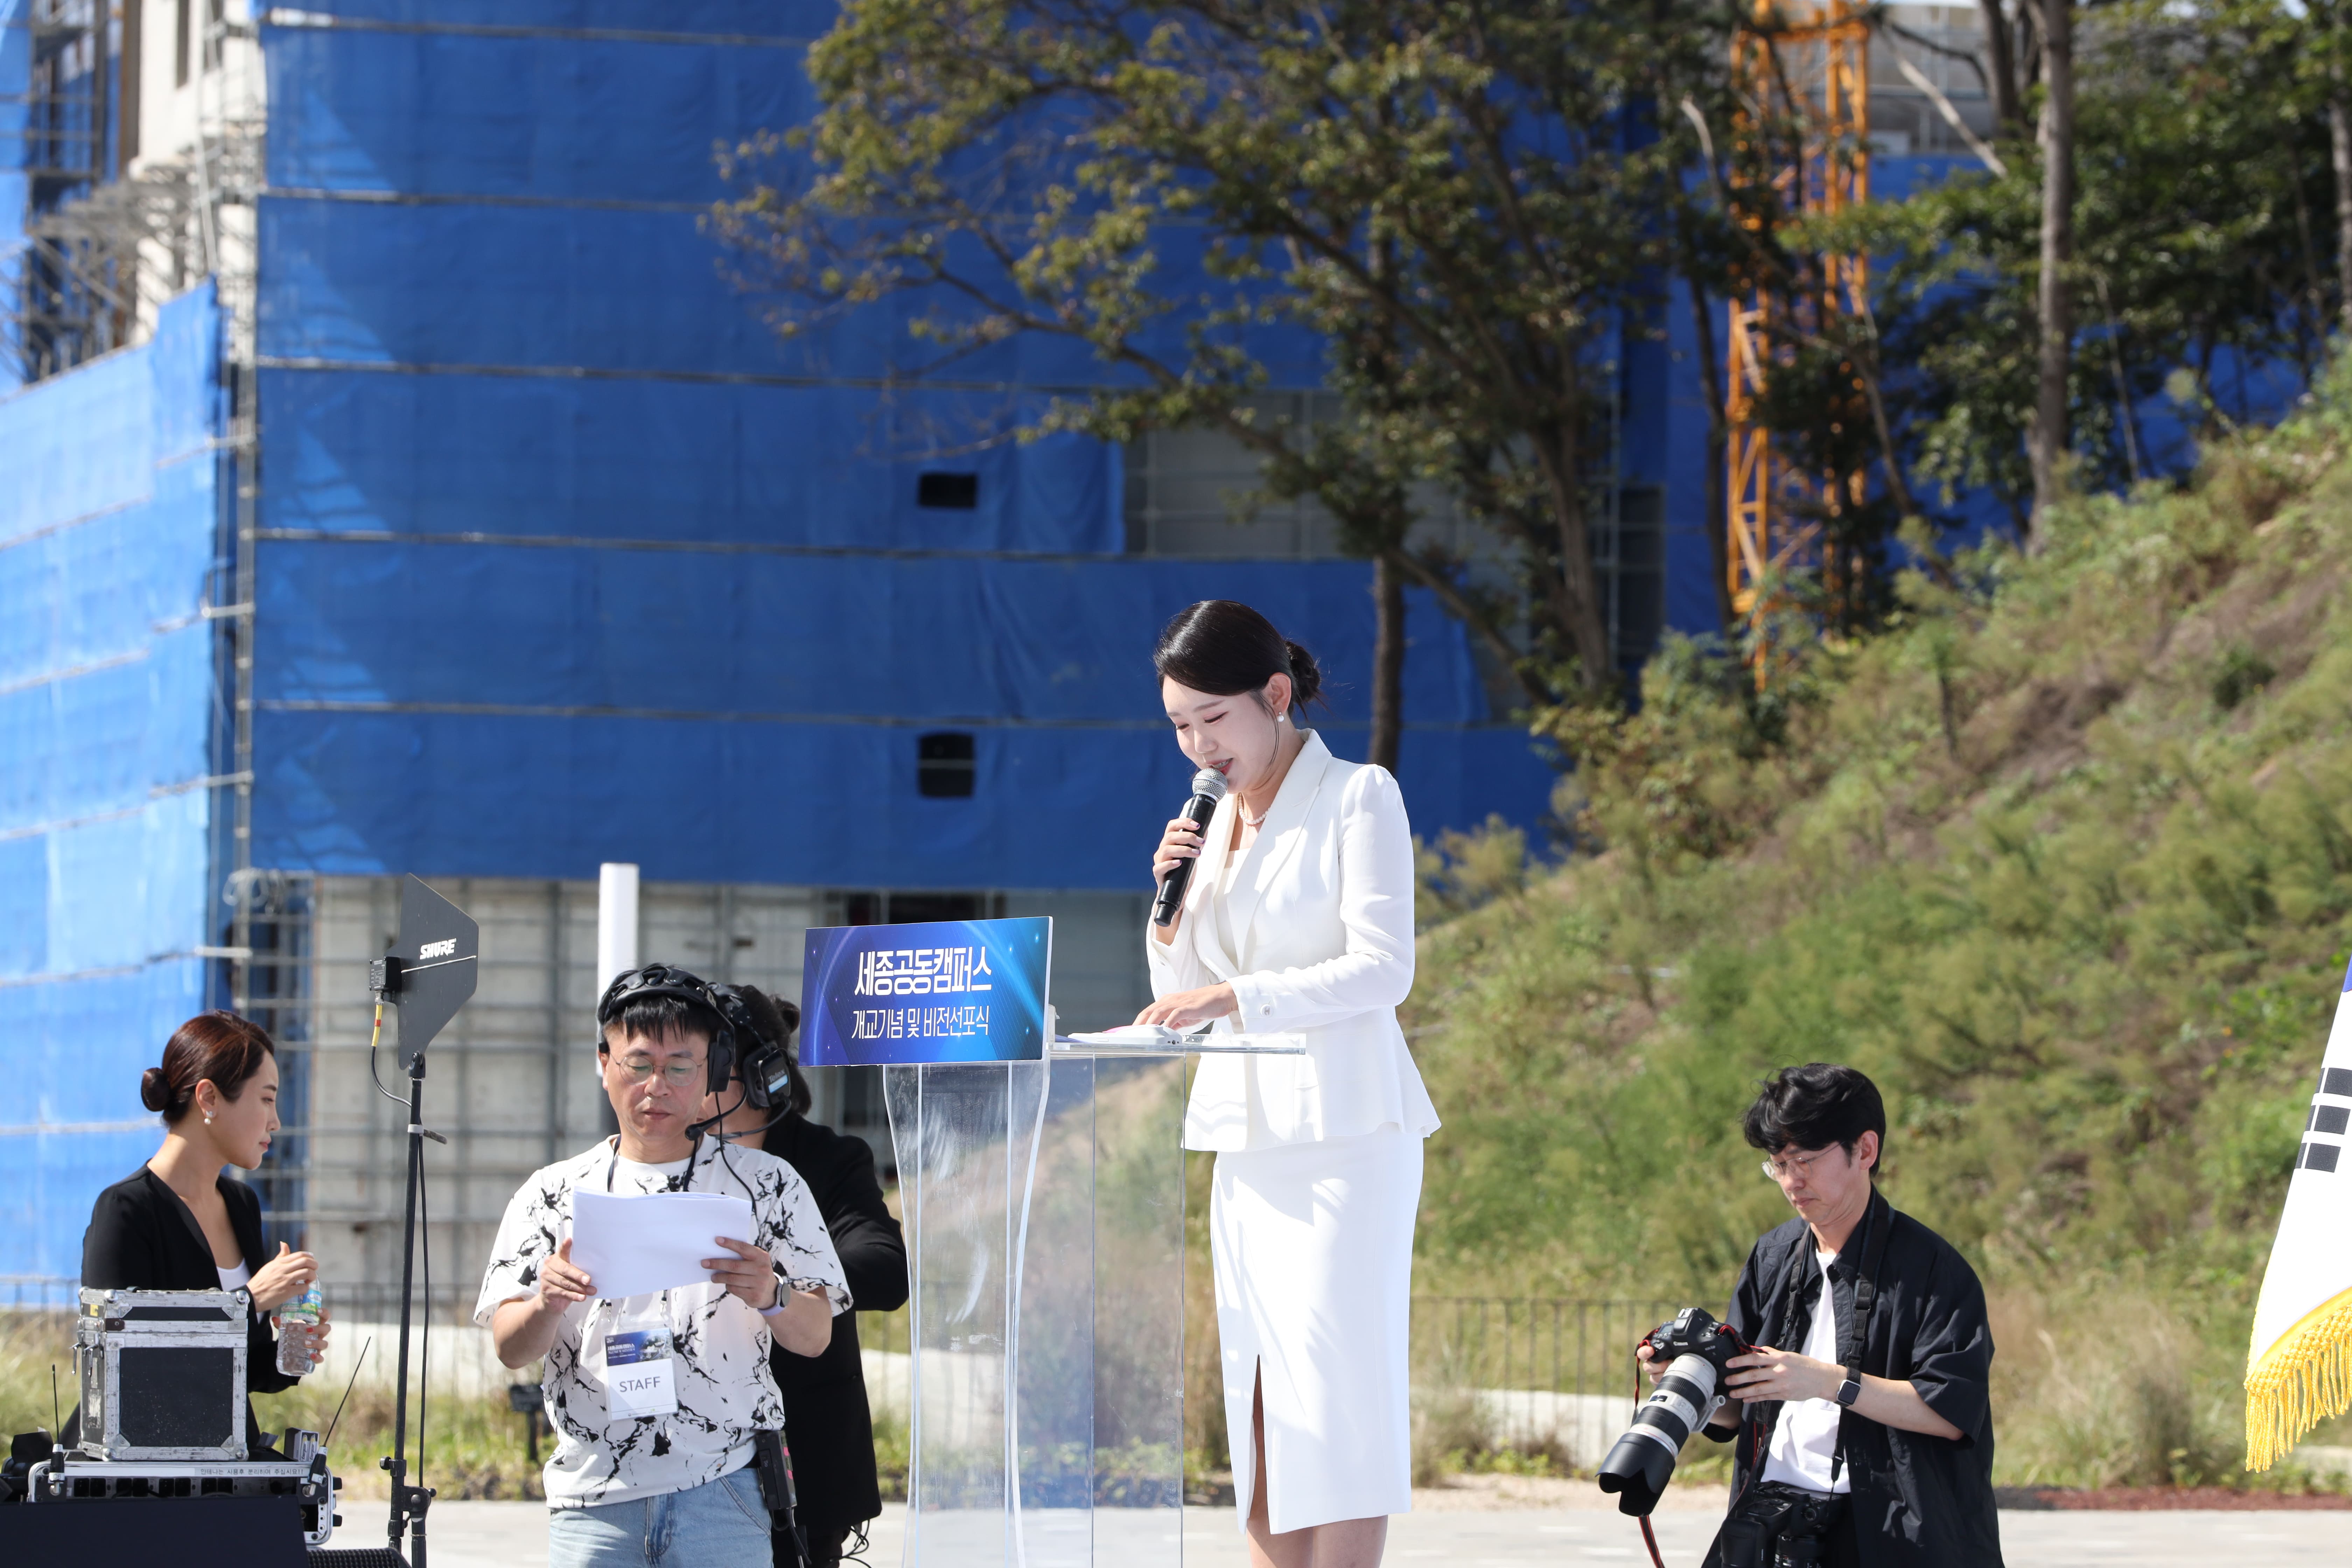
column 142, row 1237
column 827, row 1424
column 1918, row 1501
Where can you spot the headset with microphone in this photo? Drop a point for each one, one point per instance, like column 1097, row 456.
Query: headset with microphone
column 767, row 1063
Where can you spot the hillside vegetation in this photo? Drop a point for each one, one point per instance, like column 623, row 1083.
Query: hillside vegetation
column 2062, row 860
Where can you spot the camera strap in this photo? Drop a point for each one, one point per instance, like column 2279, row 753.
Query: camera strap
column 1854, row 1336
column 1866, row 1280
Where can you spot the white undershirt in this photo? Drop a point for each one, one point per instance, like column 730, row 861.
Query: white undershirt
column 235, row 1278
column 1804, row 1440
column 638, row 1170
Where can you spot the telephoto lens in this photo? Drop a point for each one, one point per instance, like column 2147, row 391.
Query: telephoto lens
column 1696, row 1349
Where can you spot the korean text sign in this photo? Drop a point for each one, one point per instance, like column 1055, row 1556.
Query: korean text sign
column 943, row 991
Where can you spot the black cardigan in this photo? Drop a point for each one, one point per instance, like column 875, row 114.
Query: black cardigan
column 827, row 1424
column 142, row 1237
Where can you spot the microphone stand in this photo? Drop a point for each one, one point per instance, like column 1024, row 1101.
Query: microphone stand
column 409, row 1503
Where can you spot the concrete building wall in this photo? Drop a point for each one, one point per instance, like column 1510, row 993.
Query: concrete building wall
column 512, row 1082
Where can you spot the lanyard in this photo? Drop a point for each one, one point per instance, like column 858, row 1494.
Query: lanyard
column 614, row 1164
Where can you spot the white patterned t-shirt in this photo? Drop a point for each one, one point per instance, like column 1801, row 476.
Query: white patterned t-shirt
column 719, row 1345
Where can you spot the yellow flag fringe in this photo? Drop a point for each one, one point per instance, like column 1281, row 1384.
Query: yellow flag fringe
column 2305, row 1378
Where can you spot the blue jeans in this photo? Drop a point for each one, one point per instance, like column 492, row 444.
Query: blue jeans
column 719, row 1522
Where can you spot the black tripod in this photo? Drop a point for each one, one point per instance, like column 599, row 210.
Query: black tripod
column 427, row 987
column 408, row 1502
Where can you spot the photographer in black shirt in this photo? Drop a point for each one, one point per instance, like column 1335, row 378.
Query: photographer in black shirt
column 1864, row 1428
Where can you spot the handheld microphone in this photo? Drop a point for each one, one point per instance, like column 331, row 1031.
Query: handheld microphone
column 1208, row 788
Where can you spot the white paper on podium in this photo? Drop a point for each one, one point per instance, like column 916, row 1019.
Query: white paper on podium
column 635, row 1242
column 1140, row 1036
column 1158, row 1039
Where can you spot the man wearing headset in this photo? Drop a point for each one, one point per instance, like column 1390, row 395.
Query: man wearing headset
column 658, row 1401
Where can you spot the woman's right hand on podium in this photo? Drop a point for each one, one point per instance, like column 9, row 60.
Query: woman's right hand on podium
column 281, row 1280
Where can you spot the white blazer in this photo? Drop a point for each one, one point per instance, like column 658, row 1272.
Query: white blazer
column 1321, row 916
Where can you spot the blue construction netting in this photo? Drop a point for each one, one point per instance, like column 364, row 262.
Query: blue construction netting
column 108, row 531
column 755, row 718
column 621, row 459
column 565, row 556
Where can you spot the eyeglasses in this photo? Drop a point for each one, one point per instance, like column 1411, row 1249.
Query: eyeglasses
column 1800, row 1165
column 677, row 1075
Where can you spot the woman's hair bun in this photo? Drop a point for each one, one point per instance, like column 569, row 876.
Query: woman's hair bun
column 217, row 1048
column 1305, row 675
column 775, row 1017
column 1223, row 648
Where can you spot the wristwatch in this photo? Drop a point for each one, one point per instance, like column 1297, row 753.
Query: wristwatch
column 1851, row 1389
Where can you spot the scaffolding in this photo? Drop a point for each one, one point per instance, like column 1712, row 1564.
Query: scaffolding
column 107, row 237
column 1801, row 72
column 229, row 169
column 63, row 306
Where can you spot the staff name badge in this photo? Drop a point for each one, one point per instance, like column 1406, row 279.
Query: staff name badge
column 637, row 1374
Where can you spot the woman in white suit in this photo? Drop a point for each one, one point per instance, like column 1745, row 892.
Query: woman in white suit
column 1298, row 920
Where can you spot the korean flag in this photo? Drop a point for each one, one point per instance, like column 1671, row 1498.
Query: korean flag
column 2299, row 1367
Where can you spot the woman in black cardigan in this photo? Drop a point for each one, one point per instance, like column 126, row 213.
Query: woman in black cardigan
column 177, row 1222
column 827, row 1424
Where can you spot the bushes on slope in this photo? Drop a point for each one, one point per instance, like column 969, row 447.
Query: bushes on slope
column 2063, row 859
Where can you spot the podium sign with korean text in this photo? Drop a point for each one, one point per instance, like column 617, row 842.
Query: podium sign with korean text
column 940, row 991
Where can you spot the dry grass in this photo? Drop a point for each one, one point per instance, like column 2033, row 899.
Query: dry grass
column 31, row 1345
column 2117, row 1386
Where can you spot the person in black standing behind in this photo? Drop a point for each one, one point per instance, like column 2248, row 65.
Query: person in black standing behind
column 177, row 1222
column 827, row 1424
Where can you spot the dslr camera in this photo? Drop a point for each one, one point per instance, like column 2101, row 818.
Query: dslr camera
column 1696, row 1350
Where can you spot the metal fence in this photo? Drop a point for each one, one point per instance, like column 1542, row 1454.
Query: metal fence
column 1527, row 1344
column 1555, row 1344
column 1539, row 1373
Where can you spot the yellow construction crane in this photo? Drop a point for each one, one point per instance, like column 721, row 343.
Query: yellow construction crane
column 1802, row 68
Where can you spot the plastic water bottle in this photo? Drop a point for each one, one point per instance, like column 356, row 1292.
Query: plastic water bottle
column 296, row 1354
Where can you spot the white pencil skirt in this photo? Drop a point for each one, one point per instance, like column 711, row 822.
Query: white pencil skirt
column 1313, row 1249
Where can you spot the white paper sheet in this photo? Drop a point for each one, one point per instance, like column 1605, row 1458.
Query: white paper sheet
column 1158, row 1039
column 1137, row 1035
column 633, row 1243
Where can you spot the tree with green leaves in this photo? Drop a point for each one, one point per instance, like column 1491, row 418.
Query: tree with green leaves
column 2202, row 164
column 1460, row 200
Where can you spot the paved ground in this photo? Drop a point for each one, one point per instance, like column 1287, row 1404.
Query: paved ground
column 514, row 1535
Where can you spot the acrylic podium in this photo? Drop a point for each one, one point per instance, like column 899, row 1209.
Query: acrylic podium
column 1042, row 1193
